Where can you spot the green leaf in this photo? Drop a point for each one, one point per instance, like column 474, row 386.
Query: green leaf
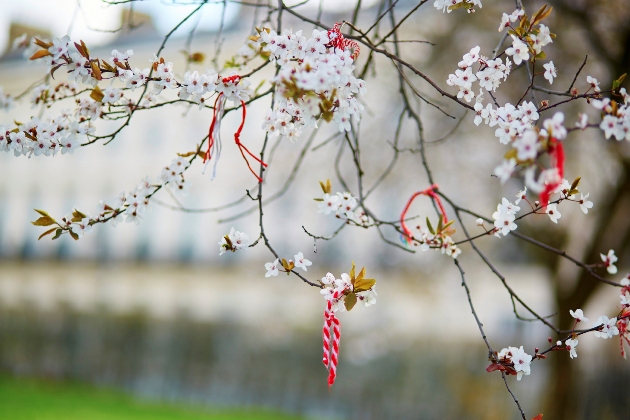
column 576, row 182
column 44, row 221
column 350, row 301
column 511, row 154
column 288, row 265
column 430, row 227
column 363, row 285
column 617, row 83
column 96, row 71
column 46, row 233
column 77, row 216
column 97, row 94
column 327, row 116
column 361, row 275
column 40, row 54
column 42, row 212
column 446, row 226
column 538, row 13
column 74, row 235
column 545, row 14
column 460, row 6
column 326, row 186
column 57, row 234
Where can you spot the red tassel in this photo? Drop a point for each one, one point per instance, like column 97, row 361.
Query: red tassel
column 556, row 151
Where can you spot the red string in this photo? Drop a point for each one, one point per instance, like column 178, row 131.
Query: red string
column 237, row 135
column 210, row 135
column 242, row 148
column 556, row 151
column 430, row 192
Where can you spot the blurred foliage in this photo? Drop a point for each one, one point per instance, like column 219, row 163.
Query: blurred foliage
column 26, row 399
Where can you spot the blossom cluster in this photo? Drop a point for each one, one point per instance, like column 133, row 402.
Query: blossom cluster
column 450, row 5
column 135, row 203
column 514, row 361
column 529, row 143
column 233, row 241
column 83, row 68
column 616, row 120
column 526, row 40
column 130, row 206
column 438, row 239
column 315, row 82
column 504, row 217
column 49, row 135
column 489, row 74
column 274, row 267
column 342, row 205
column 344, row 292
column 605, row 327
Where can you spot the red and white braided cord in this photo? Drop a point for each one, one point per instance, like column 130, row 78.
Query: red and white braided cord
column 337, row 40
column 331, row 339
column 326, row 332
column 334, row 351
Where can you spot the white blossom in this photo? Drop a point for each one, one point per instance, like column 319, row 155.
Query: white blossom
column 609, row 327
column 571, row 344
column 578, row 315
column 553, row 213
column 301, row 262
column 272, row 268
column 609, row 261
column 550, row 72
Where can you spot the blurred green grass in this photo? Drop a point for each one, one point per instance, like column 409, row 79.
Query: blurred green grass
column 27, row 399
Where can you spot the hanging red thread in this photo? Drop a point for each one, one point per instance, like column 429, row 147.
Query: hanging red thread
column 556, row 151
column 430, row 192
column 337, row 40
column 214, row 139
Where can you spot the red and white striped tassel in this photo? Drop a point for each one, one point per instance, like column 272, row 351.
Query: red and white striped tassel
column 334, row 350
column 326, row 333
column 331, row 334
column 338, row 41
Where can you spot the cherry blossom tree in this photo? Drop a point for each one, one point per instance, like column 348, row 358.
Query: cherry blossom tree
column 320, row 78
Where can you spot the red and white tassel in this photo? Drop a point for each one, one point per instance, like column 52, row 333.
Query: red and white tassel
column 326, row 333
column 331, row 333
column 334, row 350
column 338, row 41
